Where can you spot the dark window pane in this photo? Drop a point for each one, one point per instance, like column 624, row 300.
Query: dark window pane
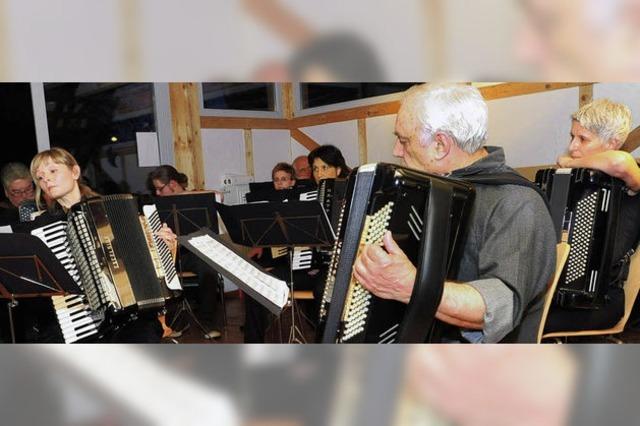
column 320, row 94
column 17, row 123
column 239, row 96
column 97, row 123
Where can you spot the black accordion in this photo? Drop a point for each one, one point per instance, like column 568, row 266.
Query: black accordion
column 119, row 263
column 331, row 194
column 426, row 215
column 584, row 207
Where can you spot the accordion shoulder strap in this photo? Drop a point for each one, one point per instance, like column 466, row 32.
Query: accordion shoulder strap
column 506, row 178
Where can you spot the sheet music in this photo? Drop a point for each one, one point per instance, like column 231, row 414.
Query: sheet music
column 273, row 289
column 6, row 229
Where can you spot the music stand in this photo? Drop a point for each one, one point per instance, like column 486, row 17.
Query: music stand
column 186, row 213
column 29, row 269
column 291, row 224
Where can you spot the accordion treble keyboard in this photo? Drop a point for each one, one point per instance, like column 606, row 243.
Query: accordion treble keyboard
column 73, row 312
column 169, row 272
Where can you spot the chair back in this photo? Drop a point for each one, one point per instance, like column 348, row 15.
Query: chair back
column 562, row 253
column 631, row 289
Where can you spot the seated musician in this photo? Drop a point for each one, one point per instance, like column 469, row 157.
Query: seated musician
column 301, row 167
column 327, row 162
column 283, row 177
column 57, row 174
column 166, row 180
column 256, row 315
column 598, row 130
column 508, row 254
column 18, row 187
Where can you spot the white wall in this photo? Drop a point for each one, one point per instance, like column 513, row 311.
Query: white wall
column 380, row 139
column 533, row 129
column 628, row 94
column 343, row 135
column 223, row 152
column 269, row 148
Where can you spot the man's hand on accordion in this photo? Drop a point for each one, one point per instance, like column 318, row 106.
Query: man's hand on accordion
column 170, row 238
column 386, row 272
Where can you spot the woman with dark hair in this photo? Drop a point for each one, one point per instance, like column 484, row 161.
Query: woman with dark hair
column 327, row 162
column 166, row 180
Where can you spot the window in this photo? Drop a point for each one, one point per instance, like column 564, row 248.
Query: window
column 320, row 94
column 97, row 123
column 16, row 120
column 239, row 96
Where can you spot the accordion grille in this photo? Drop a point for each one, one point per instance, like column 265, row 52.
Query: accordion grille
column 581, row 236
column 358, row 298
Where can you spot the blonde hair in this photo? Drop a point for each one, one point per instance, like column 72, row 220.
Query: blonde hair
column 58, row 156
column 607, row 119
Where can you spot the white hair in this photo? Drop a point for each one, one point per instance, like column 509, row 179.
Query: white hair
column 607, row 119
column 455, row 109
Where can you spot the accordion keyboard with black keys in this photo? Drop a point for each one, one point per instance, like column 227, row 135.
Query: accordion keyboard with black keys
column 426, row 215
column 584, row 205
column 116, row 258
column 76, row 319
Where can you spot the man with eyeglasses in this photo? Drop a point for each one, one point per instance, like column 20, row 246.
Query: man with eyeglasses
column 18, row 188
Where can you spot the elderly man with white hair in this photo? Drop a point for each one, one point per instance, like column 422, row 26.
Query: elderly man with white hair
column 508, row 252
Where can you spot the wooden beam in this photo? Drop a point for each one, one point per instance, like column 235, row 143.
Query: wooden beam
column 497, row 91
column 187, row 140
column 304, row 140
column 362, row 141
column 287, row 101
column 507, row 90
column 436, row 34
column 244, row 123
column 586, row 95
column 356, row 113
column 633, row 140
column 248, row 152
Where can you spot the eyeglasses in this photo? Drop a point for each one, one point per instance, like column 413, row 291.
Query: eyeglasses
column 158, row 190
column 20, row 192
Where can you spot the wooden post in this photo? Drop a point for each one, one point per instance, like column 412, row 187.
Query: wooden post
column 633, row 140
column 586, row 95
column 362, row 141
column 248, row 152
column 286, row 97
column 187, row 140
column 130, row 30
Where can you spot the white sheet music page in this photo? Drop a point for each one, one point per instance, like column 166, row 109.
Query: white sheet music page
column 273, row 289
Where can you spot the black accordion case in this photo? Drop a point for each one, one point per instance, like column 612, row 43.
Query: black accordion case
column 584, row 207
column 426, row 215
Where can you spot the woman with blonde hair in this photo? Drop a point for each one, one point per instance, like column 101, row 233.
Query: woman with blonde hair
column 58, row 177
